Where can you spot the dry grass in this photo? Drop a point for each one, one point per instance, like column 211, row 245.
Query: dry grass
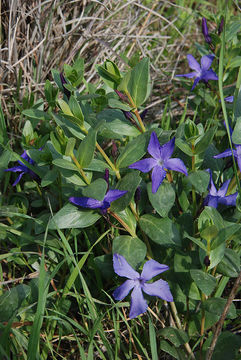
column 38, row 35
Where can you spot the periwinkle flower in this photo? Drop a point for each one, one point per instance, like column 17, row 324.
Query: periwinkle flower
column 160, row 161
column 229, row 98
column 203, row 72
column 138, row 282
column 216, row 197
column 23, row 169
column 205, row 31
column 103, row 205
column 228, row 152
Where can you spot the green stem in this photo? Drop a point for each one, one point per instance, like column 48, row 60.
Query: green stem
column 109, row 162
column 123, row 223
column 80, row 169
column 136, row 112
column 194, row 199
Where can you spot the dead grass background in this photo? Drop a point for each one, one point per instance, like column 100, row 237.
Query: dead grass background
column 38, row 35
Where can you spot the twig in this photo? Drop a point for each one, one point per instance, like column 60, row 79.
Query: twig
column 223, row 316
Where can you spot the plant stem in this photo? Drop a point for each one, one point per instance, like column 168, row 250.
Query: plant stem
column 80, row 169
column 109, row 162
column 123, row 223
column 136, row 112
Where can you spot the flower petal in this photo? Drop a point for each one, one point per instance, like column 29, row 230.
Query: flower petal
column 206, row 61
column 86, row 202
column 152, row 268
column 167, row 149
column 159, row 288
column 144, row 165
column 229, row 98
column 209, row 75
column 239, row 161
column 113, row 195
column 193, row 64
column 175, row 164
column 157, row 177
column 196, row 81
column 138, row 303
column 190, row 75
column 16, row 169
column 224, row 188
column 122, row 291
column 18, row 179
column 122, row 268
column 154, row 146
column 211, row 201
column 229, row 200
column 226, row 153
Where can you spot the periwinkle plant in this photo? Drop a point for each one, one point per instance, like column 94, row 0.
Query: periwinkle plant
column 97, row 170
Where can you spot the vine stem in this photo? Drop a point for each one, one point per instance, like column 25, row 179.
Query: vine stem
column 135, row 111
column 80, row 169
column 123, row 223
column 109, row 162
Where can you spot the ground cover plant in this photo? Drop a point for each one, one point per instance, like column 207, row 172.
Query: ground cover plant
column 120, row 231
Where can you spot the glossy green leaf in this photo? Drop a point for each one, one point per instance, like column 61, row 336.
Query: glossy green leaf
column 200, row 180
column 127, row 216
column 133, row 249
column 227, row 347
column 96, row 190
column 230, row 263
column 65, row 164
column 76, row 109
column 70, row 146
column 210, row 216
column 216, row 306
column 139, row 82
column 130, row 183
column 162, row 231
column 36, row 114
column 184, row 146
column 205, row 140
column 163, row 200
column 87, row 148
column 71, row 217
column 49, row 177
column 176, row 336
column 204, row 281
column 134, row 150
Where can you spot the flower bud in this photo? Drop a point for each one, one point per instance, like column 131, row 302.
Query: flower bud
column 205, row 31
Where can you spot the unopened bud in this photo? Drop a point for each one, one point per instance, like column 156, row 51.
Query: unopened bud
column 220, row 28
column 114, row 150
column 205, row 31
column 206, row 261
column 137, row 196
column 63, row 81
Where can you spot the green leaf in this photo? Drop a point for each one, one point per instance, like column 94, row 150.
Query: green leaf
column 210, row 216
column 96, row 190
column 163, row 199
column 205, row 140
column 184, row 146
column 235, row 62
column 130, row 183
column 134, row 150
column 28, row 130
column 230, row 263
column 65, row 164
column 133, row 249
column 162, row 231
column 76, row 109
column 49, row 178
column 205, row 282
column 170, row 349
column 115, row 103
column 70, row 146
column 236, row 136
column 176, row 336
column 109, row 73
column 116, row 124
column 200, row 180
column 216, row 306
column 227, row 345
column 127, row 216
column 70, row 217
column 231, row 31
column 11, row 301
column 87, row 148
column 139, row 82
column 36, row 114
column 68, row 113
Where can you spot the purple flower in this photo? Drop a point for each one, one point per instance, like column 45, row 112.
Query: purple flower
column 229, row 98
column 139, row 283
column 205, row 31
column 103, row 205
column 228, row 152
column 63, row 81
column 159, row 162
column 216, row 197
column 203, row 72
column 23, row 169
